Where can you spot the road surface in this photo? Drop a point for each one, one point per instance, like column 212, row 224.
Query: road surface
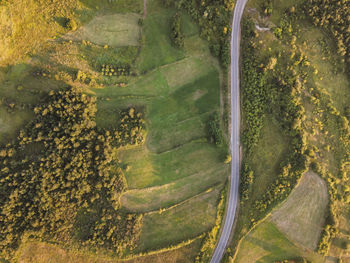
column 235, row 123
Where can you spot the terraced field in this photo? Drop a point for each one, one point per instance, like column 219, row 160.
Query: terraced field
column 176, row 163
column 176, row 176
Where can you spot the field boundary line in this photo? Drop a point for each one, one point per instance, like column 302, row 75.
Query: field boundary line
column 208, row 190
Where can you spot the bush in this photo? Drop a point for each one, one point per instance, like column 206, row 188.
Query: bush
column 214, row 130
column 71, row 24
column 176, row 31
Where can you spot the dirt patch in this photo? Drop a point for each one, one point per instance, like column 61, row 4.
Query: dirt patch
column 301, row 216
column 198, row 94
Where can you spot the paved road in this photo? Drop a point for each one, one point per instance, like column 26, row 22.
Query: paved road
column 235, row 122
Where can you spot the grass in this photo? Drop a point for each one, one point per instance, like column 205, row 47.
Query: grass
column 302, row 215
column 39, row 252
column 149, row 169
column 266, row 157
column 267, row 244
column 185, row 221
column 149, row 199
column 117, row 30
column 328, row 65
column 158, row 49
column 186, row 71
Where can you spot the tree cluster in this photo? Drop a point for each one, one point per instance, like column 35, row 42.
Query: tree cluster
column 214, row 129
column 214, row 18
column 334, row 16
column 59, row 179
column 131, row 128
column 247, row 179
column 113, row 70
column 275, row 90
column 254, row 85
column 177, row 35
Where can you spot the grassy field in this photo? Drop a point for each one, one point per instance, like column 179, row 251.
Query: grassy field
column 182, row 222
column 158, row 49
column 267, row 244
column 112, row 30
column 292, row 230
column 268, row 154
column 153, row 198
column 301, row 216
column 38, row 252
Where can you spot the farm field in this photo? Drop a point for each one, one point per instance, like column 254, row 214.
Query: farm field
column 36, row 252
column 292, row 230
column 267, row 244
column 175, row 176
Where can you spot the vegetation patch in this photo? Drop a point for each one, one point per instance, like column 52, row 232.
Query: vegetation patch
column 59, row 179
column 267, row 244
column 39, row 252
column 157, row 49
column 153, row 198
column 189, row 219
column 301, row 216
column 115, row 30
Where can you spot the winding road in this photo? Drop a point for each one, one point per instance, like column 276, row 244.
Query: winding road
column 235, row 125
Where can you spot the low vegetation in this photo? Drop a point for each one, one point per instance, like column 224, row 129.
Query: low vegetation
column 267, row 244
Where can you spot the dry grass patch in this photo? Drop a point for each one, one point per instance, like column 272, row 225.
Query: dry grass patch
column 301, row 216
column 38, row 252
column 114, row 30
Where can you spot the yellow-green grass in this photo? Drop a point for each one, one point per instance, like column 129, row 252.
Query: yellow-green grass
column 177, row 99
column 302, row 215
column 191, row 100
column 153, row 198
column 163, row 80
column 114, row 30
column 39, row 252
column 20, row 88
column 11, row 123
column 25, row 24
column 335, row 84
column 115, row 6
column 157, row 49
column 266, row 157
column 266, row 244
column 186, row 71
column 185, row 221
column 149, row 169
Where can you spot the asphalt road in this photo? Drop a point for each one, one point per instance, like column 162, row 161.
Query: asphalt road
column 235, row 124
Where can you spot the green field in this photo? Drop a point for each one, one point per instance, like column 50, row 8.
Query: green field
column 39, row 252
column 267, row 156
column 293, row 228
column 267, row 244
column 301, row 216
column 182, row 222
